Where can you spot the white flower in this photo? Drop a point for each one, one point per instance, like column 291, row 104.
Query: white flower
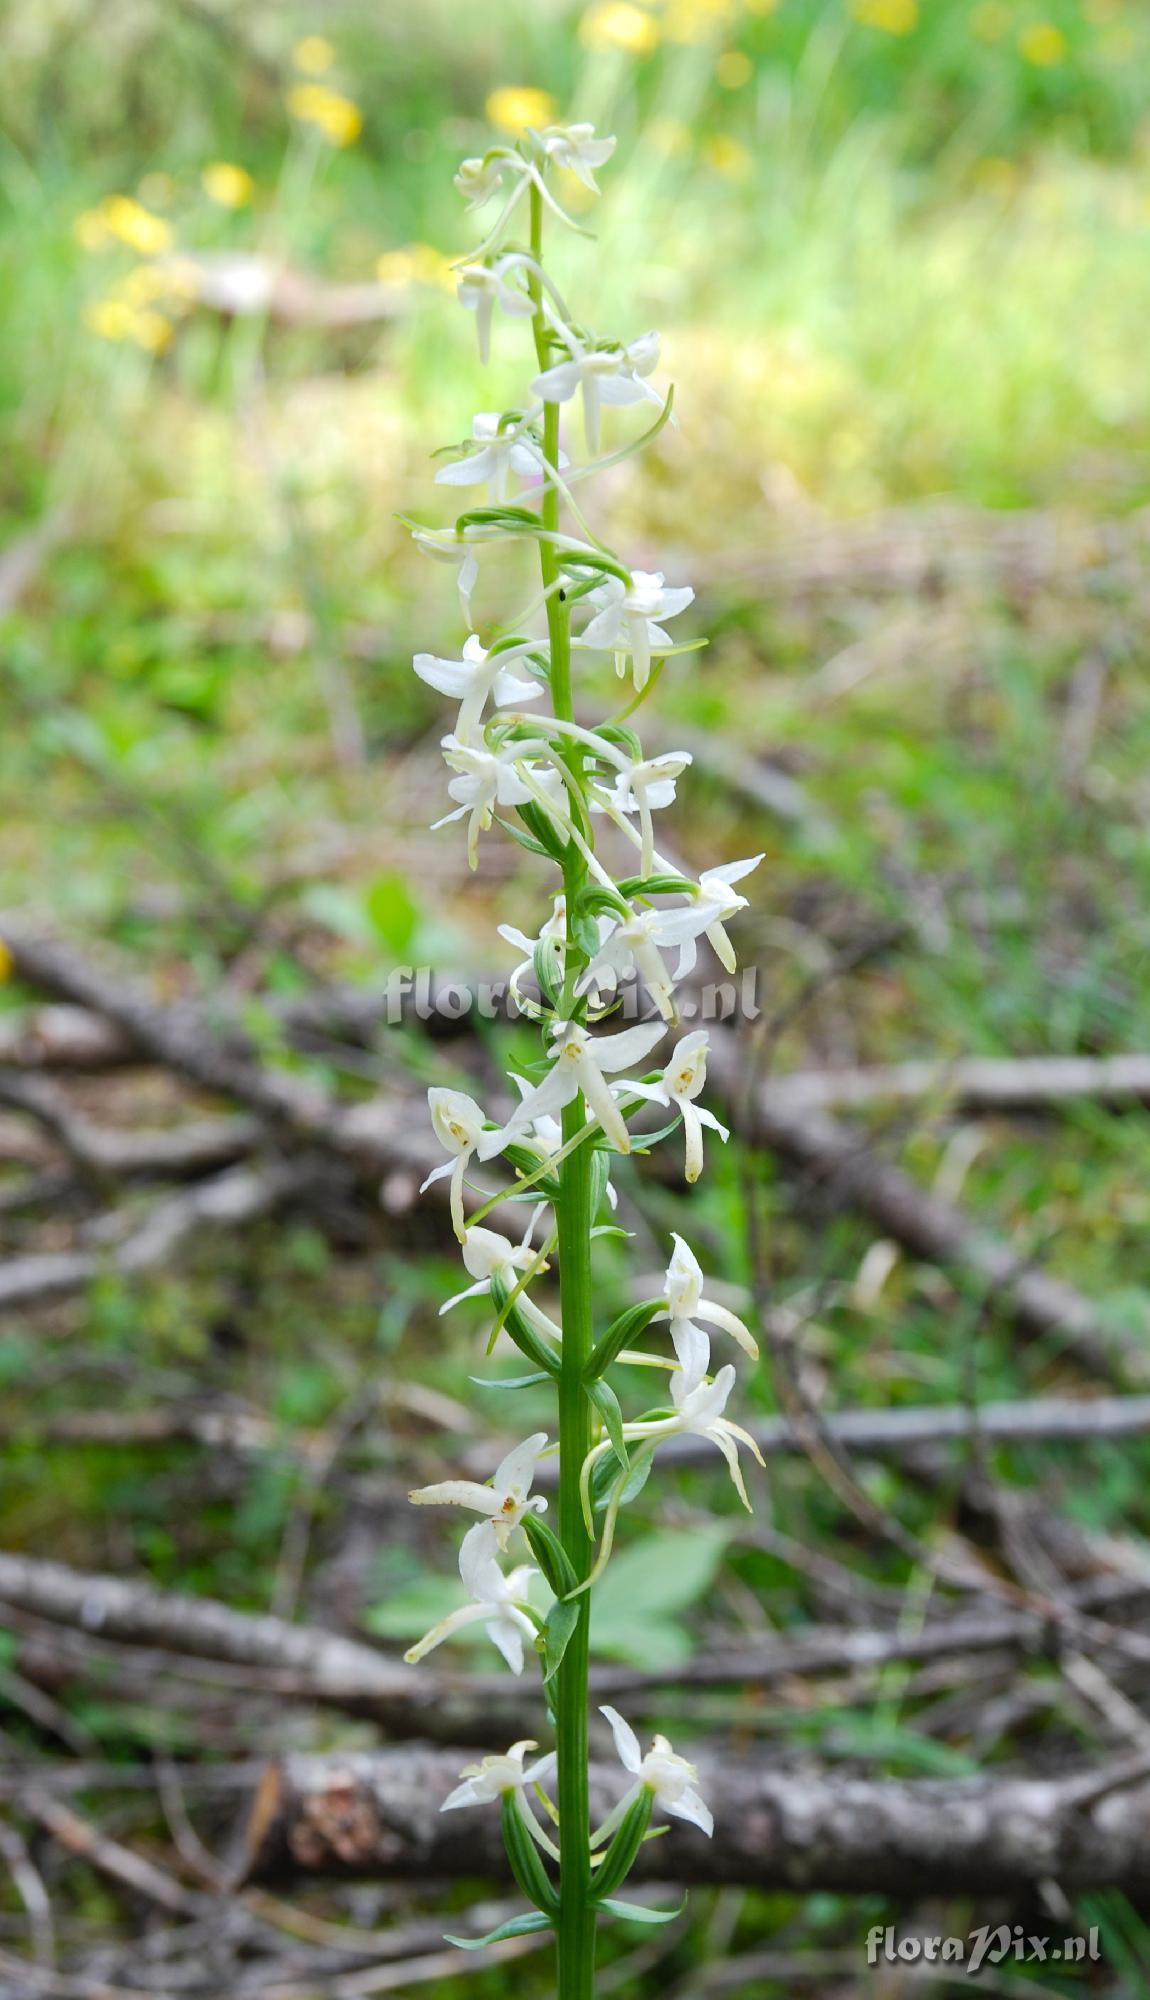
column 645, row 788
column 478, row 179
column 612, row 374
column 434, row 542
column 576, row 148
column 458, row 1122
column 718, row 898
column 482, row 287
column 485, row 1782
column 544, row 1137
column 497, row 1602
column 486, row 779
column 686, row 1304
column 554, row 931
column 503, row 446
column 700, row 1403
column 626, row 624
column 492, row 1780
column 581, row 1063
column 478, row 677
column 635, row 945
column 505, row 1501
column 488, row 1256
column 678, row 1087
column 671, row 1778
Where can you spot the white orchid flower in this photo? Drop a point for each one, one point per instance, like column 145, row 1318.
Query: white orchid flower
column 635, row 945
column 478, row 677
column 449, row 548
column 502, row 446
column 685, row 1302
column 544, row 1137
column 581, row 1062
column 483, row 287
column 698, row 1406
column 479, row 179
column 497, row 1602
column 458, row 1122
column 671, row 1778
column 719, row 899
column 576, row 148
column 614, row 374
column 625, row 621
column 489, row 778
column 505, row 1501
column 489, row 1256
column 496, row 1778
column 644, row 788
column 678, row 1087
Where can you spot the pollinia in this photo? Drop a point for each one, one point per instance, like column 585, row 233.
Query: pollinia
column 518, row 756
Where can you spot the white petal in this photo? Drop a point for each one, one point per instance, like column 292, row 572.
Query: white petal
column 448, row 676
column 691, row 1807
column 615, row 1052
column 504, row 1632
column 516, row 1472
column 457, row 1493
column 466, row 1794
column 558, row 384
column 626, row 1741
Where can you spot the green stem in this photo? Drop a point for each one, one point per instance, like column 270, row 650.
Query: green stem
column 575, row 1924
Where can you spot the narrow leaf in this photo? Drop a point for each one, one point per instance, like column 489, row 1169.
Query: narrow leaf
column 638, row 1913
column 524, row 1926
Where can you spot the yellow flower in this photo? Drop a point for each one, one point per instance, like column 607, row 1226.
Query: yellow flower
column 991, row 20
column 418, row 264
column 151, row 331
column 894, row 17
column 337, row 117
column 136, row 226
column 733, row 69
column 227, row 186
column 728, row 156
column 91, row 229
column 145, row 283
column 7, row 962
column 115, row 319
column 1044, row 45
column 314, row 55
column 517, row 105
column 616, row 24
column 697, row 20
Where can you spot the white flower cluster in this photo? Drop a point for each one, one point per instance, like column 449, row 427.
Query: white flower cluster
column 551, row 780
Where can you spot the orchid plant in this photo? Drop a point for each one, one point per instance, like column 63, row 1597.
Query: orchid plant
column 567, row 792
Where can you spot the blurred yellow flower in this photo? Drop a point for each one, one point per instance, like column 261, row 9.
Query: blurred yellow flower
column 7, row 962
column 616, row 24
column 145, row 283
column 734, row 69
column 115, row 319
column 136, row 226
column 1044, row 45
column 991, row 20
column 91, row 229
column 416, row 264
column 517, row 105
column 227, row 186
column 336, row 116
column 894, row 17
column 728, row 156
column 314, row 55
column 697, row 20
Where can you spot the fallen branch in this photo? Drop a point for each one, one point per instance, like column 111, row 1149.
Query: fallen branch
column 378, row 1815
column 305, row 1663
column 227, row 1201
column 977, row 1083
column 926, row 1224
